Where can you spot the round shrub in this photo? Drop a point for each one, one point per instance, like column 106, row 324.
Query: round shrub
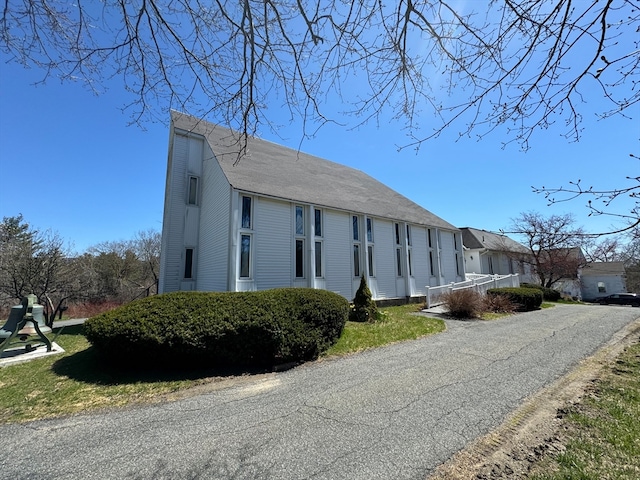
column 463, row 303
column 549, row 294
column 524, row 299
column 228, row 329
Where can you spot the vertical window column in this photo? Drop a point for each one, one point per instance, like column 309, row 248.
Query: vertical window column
column 370, row 256
column 246, row 237
column 398, row 251
column 357, row 242
column 318, row 242
column 456, row 247
column 299, row 241
column 409, row 250
column 432, row 270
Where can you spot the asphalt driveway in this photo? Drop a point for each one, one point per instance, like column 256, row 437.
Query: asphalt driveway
column 391, row 413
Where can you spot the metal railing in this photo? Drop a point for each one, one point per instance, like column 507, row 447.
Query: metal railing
column 480, row 283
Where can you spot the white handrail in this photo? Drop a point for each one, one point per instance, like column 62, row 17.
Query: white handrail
column 480, row 283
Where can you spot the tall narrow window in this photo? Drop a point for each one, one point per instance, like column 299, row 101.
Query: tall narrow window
column 370, row 258
column 188, row 263
column 299, row 220
column 408, row 234
column 246, row 212
column 398, row 262
column 409, row 260
column 369, row 230
column 431, row 269
column 245, row 256
column 490, row 264
column 397, row 234
column 318, row 222
column 429, row 235
column 356, row 260
column 457, row 263
column 356, row 233
column 299, row 258
column 355, row 223
column 193, row 191
column 318, row 259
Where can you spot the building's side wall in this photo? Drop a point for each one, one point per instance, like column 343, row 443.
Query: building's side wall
column 472, row 261
column 338, row 252
column 384, row 266
column 180, row 220
column 273, row 243
column 419, row 261
column 213, row 243
column 450, row 272
column 611, row 284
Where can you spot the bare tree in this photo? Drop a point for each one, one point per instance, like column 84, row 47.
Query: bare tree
column 523, row 65
column 554, row 245
column 126, row 269
column 147, row 244
column 608, row 249
column 32, row 261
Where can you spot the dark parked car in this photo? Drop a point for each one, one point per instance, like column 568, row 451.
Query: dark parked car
column 632, row 299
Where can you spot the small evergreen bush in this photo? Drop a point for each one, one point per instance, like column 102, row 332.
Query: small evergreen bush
column 524, row 299
column 230, row 329
column 364, row 308
column 464, row 303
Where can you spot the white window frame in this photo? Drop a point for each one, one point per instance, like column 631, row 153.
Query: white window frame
column 193, row 192
column 249, row 275
column 356, row 239
column 192, row 265
column 246, row 230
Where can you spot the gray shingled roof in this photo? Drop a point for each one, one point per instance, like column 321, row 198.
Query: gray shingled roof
column 475, row 239
column 603, row 268
column 277, row 171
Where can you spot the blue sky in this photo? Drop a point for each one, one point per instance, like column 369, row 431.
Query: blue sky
column 70, row 161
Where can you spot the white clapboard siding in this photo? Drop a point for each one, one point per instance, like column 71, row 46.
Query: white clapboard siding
column 171, row 266
column 419, row 259
column 273, row 244
column 337, row 253
column 448, row 258
column 385, row 259
column 213, row 248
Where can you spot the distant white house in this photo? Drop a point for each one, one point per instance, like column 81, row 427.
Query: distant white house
column 276, row 217
column 494, row 254
column 599, row 279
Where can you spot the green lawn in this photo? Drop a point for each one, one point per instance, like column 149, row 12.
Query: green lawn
column 397, row 324
column 603, row 432
column 76, row 381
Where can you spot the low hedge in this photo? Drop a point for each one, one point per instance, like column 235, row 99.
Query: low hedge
column 523, row 298
column 229, row 329
column 549, row 294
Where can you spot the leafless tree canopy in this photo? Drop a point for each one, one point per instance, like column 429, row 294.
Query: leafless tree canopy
column 520, row 64
column 554, row 244
column 603, row 202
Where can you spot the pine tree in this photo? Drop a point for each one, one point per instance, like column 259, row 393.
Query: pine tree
column 364, row 308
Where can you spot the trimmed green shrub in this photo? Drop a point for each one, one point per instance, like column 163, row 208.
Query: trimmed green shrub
column 464, row 303
column 229, row 329
column 524, row 299
column 364, row 308
column 549, row 294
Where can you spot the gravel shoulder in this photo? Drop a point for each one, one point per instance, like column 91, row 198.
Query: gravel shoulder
column 533, row 431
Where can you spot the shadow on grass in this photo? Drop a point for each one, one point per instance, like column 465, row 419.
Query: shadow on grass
column 89, row 367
